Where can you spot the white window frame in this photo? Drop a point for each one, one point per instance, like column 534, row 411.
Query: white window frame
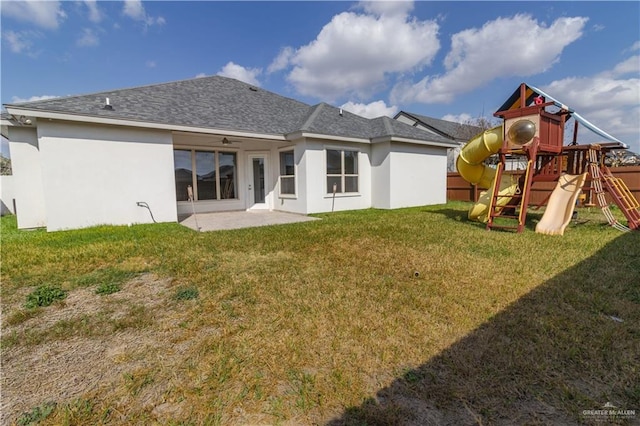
column 194, row 172
column 342, row 175
column 294, row 176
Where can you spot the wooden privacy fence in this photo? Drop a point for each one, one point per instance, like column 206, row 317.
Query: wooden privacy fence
column 459, row 189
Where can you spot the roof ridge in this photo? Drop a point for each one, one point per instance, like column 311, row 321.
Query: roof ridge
column 145, row 86
column 117, row 90
column 312, row 117
column 387, row 124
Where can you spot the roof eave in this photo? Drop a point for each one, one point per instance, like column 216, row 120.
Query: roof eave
column 310, row 135
column 413, row 141
column 55, row 115
column 6, row 122
column 10, row 121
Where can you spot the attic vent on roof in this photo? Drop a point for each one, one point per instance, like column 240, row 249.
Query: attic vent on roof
column 253, row 89
column 107, row 105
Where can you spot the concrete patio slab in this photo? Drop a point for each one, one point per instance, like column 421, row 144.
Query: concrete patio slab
column 241, row 219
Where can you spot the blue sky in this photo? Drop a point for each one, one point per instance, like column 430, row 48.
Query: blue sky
column 453, row 60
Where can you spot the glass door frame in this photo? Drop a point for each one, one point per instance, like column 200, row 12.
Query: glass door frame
column 250, row 186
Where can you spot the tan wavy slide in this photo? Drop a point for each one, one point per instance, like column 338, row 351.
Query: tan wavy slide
column 560, row 207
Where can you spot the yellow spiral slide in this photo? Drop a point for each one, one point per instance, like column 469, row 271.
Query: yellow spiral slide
column 472, row 169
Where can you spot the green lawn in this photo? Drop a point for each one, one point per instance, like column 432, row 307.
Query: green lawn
column 322, row 322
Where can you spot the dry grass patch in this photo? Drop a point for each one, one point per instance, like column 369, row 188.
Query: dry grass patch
column 326, row 322
column 85, row 344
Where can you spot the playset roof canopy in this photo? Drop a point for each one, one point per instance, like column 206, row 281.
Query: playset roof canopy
column 532, row 92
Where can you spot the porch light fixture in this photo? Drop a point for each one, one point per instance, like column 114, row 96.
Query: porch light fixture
column 25, row 121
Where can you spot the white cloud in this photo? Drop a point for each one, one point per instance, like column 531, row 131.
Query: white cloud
column 515, row 46
column 18, row 42
column 600, row 91
column 45, row 14
column 150, row 64
column 16, row 99
column 463, row 118
column 95, row 14
column 592, row 94
column 371, row 110
column 88, row 38
column 355, row 52
column 387, row 8
column 248, row 75
column 135, row 10
column 606, row 100
column 282, row 60
column 635, row 46
column 629, row 66
column 200, row 75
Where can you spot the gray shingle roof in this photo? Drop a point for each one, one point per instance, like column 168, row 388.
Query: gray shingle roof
column 208, row 102
column 326, row 119
column 226, row 104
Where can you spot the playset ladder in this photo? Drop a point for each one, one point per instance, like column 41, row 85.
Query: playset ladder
column 522, row 198
column 619, row 192
column 623, row 198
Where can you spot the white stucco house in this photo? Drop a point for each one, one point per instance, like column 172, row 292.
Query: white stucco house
column 457, row 133
column 121, row 156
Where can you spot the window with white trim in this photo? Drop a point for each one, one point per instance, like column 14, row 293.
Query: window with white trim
column 211, row 174
column 342, row 171
column 287, row 173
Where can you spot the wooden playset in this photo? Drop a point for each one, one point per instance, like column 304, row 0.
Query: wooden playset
column 533, row 131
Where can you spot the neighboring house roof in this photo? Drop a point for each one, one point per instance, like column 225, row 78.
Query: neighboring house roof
column 448, row 129
column 222, row 104
column 396, row 128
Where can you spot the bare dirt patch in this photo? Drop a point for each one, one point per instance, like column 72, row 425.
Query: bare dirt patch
column 61, row 370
